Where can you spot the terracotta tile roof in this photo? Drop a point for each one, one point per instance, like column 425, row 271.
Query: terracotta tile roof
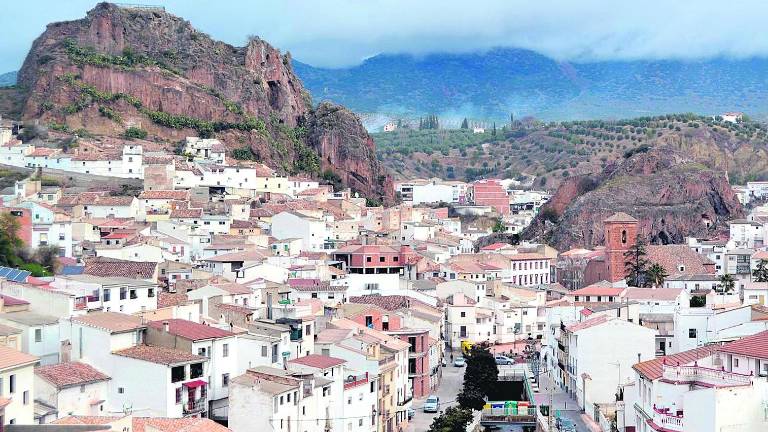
column 309, row 285
column 184, row 285
column 250, row 255
column 190, row 330
column 166, row 299
column 72, row 374
column 389, row 302
column 109, row 201
column 755, row 346
column 667, row 294
column 12, row 301
column 113, row 322
column 241, row 224
column 8, row 330
column 620, row 217
column 671, row 257
column 111, row 267
column 42, row 151
column 495, row 246
column 600, row 319
column 525, row 256
column 332, row 335
column 318, row 361
column 159, row 355
column 186, row 213
column 597, row 289
column 154, row 424
column 653, row 369
column 230, row 287
column 178, row 195
column 10, row 358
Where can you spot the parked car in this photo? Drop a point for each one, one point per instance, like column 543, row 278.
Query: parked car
column 502, row 360
column 432, row 404
column 411, row 413
column 565, row 424
column 459, row 362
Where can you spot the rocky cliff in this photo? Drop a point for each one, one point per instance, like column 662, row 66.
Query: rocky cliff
column 123, row 67
column 671, row 195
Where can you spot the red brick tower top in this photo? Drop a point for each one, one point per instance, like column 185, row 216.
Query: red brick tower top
column 620, row 235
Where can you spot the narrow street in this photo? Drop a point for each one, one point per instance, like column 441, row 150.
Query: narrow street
column 562, row 403
column 450, row 386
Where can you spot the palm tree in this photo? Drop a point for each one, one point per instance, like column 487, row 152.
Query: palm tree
column 727, row 284
column 656, row 275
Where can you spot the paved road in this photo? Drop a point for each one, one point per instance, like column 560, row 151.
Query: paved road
column 561, row 401
column 450, row 386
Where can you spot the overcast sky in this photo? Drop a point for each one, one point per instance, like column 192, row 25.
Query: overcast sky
column 337, row 33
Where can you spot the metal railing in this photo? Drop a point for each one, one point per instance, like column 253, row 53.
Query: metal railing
column 703, row 374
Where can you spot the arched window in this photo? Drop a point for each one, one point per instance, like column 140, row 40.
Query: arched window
column 623, row 236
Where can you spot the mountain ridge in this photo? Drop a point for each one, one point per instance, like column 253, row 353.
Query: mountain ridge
column 501, row 81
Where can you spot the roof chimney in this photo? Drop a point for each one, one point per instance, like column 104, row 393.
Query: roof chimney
column 166, row 326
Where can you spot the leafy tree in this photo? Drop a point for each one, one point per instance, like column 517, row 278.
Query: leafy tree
column 656, row 275
column 636, row 263
column 9, row 240
column 48, row 258
column 481, row 375
column 134, row 132
column 727, row 284
column 454, row 419
column 498, row 226
column 760, row 273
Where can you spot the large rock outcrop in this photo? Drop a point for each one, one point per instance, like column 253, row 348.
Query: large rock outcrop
column 124, row 66
column 672, row 197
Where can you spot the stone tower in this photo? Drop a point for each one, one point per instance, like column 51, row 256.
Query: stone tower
column 620, row 235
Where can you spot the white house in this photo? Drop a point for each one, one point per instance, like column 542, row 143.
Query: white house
column 39, row 334
column 119, row 294
column 218, row 346
column 593, row 372
column 17, row 393
column 72, row 388
column 312, row 231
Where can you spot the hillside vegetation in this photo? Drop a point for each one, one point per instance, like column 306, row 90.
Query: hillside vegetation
column 553, row 152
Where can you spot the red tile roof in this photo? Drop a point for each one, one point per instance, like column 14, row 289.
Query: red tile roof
column 159, row 355
column 154, row 424
column 12, row 301
column 113, row 322
column 166, row 299
column 620, row 217
column 755, row 346
column 10, row 357
column 190, row 330
column 72, row 374
column 389, row 302
column 671, row 257
column 597, row 289
column 592, row 322
column 653, row 369
column 495, row 246
column 178, row 195
column 318, row 361
column 111, row 267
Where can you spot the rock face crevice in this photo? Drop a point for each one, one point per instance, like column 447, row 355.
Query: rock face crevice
column 180, row 71
column 671, row 196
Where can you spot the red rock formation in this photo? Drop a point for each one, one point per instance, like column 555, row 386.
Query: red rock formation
column 180, row 71
column 671, row 196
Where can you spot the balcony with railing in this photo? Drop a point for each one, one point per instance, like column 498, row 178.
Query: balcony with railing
column 666, row 420
column 703, row 376
column 355, row 380
column 195, row 407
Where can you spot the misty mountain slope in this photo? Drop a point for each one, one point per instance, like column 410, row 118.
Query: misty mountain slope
column 501, row 81
column 8, row 79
